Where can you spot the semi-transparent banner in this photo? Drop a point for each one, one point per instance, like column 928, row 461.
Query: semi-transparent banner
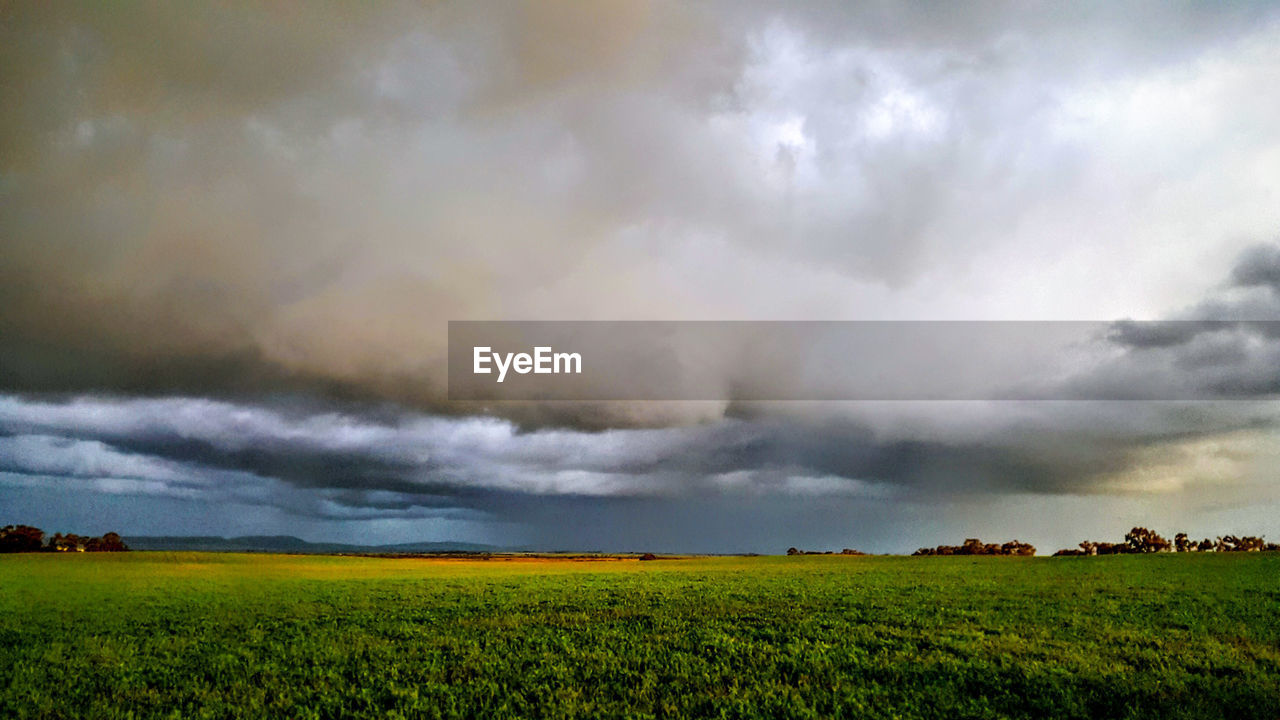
column 863, row 360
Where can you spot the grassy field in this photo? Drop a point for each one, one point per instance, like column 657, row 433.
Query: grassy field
column 187, row 635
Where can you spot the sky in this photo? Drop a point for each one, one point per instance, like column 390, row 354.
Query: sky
column 232, row 237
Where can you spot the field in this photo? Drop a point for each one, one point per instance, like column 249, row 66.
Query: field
column 187, row 635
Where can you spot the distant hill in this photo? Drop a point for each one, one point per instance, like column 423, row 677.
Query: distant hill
column 290, row 544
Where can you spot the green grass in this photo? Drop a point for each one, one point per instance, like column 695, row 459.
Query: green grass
column 189, row 635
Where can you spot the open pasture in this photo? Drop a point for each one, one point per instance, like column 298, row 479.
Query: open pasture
column 189, row 635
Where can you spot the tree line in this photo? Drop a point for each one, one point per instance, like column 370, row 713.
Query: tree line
column 27, row 539
column 974, row 546
column 1142, row 540
column 1137, row 540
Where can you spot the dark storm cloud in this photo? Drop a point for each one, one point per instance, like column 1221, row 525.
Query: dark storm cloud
column 232, row 200
column 1227, row 346
column 435, row 462
column 1259, row 266
column 323, row 460
column 1236, row 360
column 1142, row 335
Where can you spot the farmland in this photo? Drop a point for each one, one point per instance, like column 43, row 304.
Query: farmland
column 190, row 635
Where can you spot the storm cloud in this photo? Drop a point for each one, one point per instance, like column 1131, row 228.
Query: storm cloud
column 319, row 464
column 236, row 199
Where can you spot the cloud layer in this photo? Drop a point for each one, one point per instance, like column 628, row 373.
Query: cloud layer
column 249, row 199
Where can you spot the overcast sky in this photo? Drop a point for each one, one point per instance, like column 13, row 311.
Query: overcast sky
column 231, row 238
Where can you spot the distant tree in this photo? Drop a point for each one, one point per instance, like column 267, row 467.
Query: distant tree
column 793, row 551
column 851, row 551
column 110, row 542
column 21, row 538
column 64, row 543
column 1142, row 540
column 1013, row 547
column 1251, row 543
column 1106, row 548
column 974, row 546
column 1232, row 543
